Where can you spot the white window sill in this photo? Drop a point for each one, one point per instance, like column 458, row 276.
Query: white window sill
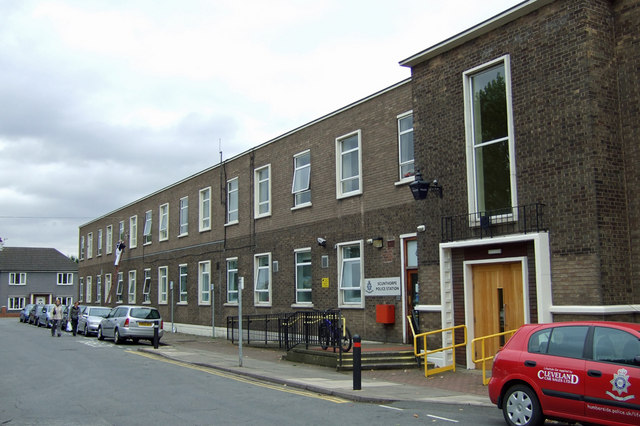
column 302, row 305
column 234, row 222
column 405, row 181
column 301, row 206
column 182, row 303
column 231, row 304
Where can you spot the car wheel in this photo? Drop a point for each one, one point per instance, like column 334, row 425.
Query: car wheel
column 85, row 331
column 521, row 407
column 116, row 337
column 135, row 340
column 100, row 336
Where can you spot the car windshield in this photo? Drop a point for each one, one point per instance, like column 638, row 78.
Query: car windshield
column 145, row 313
column 99, row 312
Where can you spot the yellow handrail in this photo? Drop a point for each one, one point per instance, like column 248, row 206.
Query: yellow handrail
column 424, row 352
column 483, row 359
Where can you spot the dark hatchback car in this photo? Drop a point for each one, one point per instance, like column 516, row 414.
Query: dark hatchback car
column 24, row 313
column 34, row 315
column 575, row 371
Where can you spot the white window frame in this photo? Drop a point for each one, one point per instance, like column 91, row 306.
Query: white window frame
column 163, row 285
column 340, row 179
column 301, row 172
column 89, row 245
column 99, row 243
column 121, row 230
column 204, row 283
column 232, row 201
column 163, row 222
column 404, row 177
column 204, row 211
column 89, row 281
column 184, row 217
column 147, row 234
column 298, row 264
column 341, row 263
column 120, row 287
column 98, row 288
column 146, row 287
column 82, row 246
column 21, row 278
column 183, row 283
column 257, row 270
column 472, row 184
column 109, row 240
column 12, row 305
column 81, row 289
column 232, row 276
column 65, row 278
column 260, row 189
column 107, row 289
column 131, row 293
column 133, row 232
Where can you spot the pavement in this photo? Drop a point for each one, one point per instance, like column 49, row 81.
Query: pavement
column 268, row 364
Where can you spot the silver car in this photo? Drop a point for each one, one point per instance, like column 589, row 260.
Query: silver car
column 89, row 319
column 45, row 316
column 131, row 322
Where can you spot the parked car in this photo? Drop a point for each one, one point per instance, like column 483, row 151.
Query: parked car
column 45, row 318
column 587, row 372
column 35, row 314
column 131, row 322
column 24, row 313
column 90, row 317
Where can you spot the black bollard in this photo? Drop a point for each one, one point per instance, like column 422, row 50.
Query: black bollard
column 357, row 363
column 155, row 336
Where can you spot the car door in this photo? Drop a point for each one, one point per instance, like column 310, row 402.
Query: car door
column 110, row 322
column 613, row 376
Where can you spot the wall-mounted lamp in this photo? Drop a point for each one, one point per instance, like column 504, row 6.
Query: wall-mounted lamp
column 421, row 228
column 420, row 188
column 377, row 242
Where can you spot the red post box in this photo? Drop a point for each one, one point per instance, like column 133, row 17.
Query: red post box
column 386, row 314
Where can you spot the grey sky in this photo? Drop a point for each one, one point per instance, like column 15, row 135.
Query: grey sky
column 103, row 102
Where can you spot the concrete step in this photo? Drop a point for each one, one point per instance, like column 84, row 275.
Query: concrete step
column 370, row 360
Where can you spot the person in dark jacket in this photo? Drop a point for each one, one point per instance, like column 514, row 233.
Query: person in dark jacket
column 74, row 313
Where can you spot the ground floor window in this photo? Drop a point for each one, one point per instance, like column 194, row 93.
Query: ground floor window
column 204, row 282
column 163, row 284
column 15, row 303
column 146, row 287
column 183, row 283
column 350, row 274
column 119, row 288
column 303, row 276
column 98, row 289
column 232, row 280
column 107, row 289
column 262, row 282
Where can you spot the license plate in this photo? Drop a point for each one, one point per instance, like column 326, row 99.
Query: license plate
column 145, row 324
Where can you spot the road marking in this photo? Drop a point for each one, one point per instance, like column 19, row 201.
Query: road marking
column 442, row 418
column 391, row 408
column 242, row 379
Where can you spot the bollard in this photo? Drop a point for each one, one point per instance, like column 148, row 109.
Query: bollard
column 357, row 363
column 155, row 336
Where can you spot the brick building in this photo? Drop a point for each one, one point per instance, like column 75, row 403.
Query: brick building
column 528, row 121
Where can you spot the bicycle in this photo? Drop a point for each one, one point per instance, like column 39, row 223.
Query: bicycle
column 332, row 332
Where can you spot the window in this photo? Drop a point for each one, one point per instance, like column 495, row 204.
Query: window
column 303, row 276
column 232, row 201
column 204, row 281
column 66, row 300
column 99, row 248
column 163, row 230
column 15, row 303
column 262, row 193
column 132, row 287
column 232, row 280
column 349, row 179
column 146, row 232
column 17, row 278
column 98, row 289
column 262, row 274
column 163, row 284
column 182, row 272
column 613, row 345
column 205, row 209
column 350, row 274
column 184, row 216
column 109, row 239
column 107, row 289
column 89, row 245
column 405, row 145
column 146, row 287
column 82, row 247
column 564, row 341
column 81, row 289
column 301, row 179
column 119, row 288
column 133, row 232
column 89, row 285
column 490, row 143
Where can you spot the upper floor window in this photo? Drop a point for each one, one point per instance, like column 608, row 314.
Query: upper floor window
column 146, row 232
column 146, row 287
column 262, row 284
column 82, row 247
column 405, row 145
column 17, row 278
column 65, row 278
column 349, row 165
column 132, row 287
column 232, row 201
column 89, row 245
column 490, row 142
column 263, row 191
column 184, row 216
column 109, row 240
column 133, row 232
column 163, row 284
column 350, row 274
column 205, row 209
column 163, row 226
column 303, row 276
column 183, row 283
column 99, row 246
column 232, row 280
column 204, row 282
column 301, row 179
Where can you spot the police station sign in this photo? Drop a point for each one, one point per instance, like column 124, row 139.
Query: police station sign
column 382, row 286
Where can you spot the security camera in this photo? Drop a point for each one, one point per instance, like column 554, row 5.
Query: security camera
column 322, row 242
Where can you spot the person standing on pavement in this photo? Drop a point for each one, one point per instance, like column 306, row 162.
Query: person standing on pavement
column 74, row 313
column 58, row 310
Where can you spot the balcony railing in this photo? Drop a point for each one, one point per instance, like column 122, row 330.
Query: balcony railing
column 493, row 223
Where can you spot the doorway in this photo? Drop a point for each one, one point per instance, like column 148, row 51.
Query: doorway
column 412, row 287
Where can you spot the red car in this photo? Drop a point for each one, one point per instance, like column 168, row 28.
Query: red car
column 577, row 371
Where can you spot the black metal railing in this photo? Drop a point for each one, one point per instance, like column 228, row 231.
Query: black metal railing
column 488, row 224
column 258, row 329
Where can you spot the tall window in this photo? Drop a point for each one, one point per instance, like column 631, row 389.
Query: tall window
column 98, row 289
column 405, row 145
column 89, row 285
column 146, row 287
column 99, row 247
column 349, row 162
column 301, row 179
column 133, row 232
column 82, row 247
column 205, row 209
column 107, row 289
column 262, row 193
column 81, row 289
column 89, row 245
column 121, row 230
column 109, row 240
column 17, row 278
column 303, row 276
column 350, row 274
column 183, row 283
column 232, row 200
column 146, row 233
column 163, row 284
column 132, row 287
column 184, row 216
column 204, row 282
column 163, row 226
column 490, row 144
column 65, row 278
column 262, row 274
column 232, row 280
column 119, row 287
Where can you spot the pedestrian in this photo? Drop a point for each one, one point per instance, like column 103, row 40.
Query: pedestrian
column 58, row 310
column 74, row 313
